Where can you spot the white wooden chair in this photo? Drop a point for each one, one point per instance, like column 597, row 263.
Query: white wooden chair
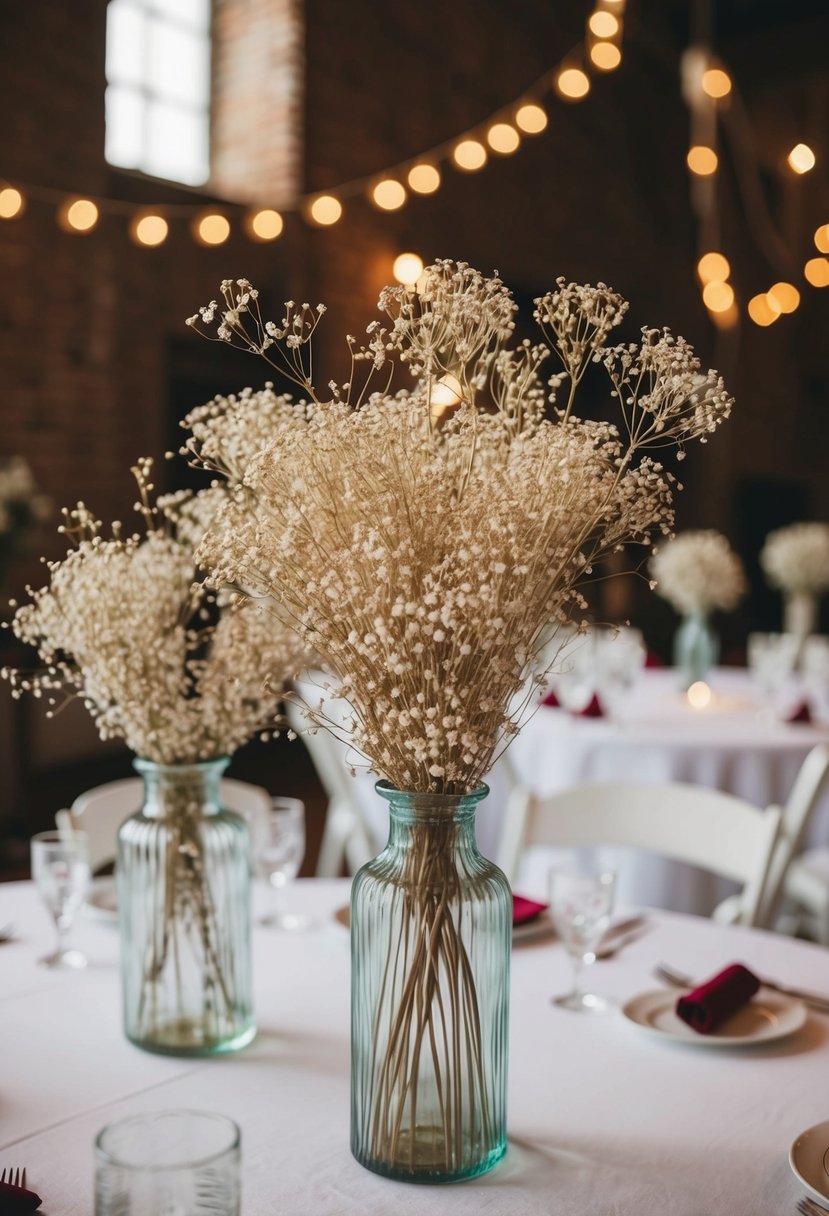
column 800, row 879
column 704, row 827
column 100, row 811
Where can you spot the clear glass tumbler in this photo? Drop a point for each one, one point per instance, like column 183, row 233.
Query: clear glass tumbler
column 168, row 1163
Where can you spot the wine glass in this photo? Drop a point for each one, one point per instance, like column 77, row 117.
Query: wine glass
column 619, row 657
column 279, row 846
column 60, row 869
column 581, row 902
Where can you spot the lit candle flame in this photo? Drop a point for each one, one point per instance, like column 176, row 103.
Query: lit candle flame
column 699, row 695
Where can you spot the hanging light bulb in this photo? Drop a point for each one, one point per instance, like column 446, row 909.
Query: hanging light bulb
column 149, row 230
column 713, row 268
column 572, row 84
column 605, row 56
column 702, row 160
column 783, row 296
column 816, row 271
column 716, row 83
column 531, row 118
column 718, row 296
column 325, row 210
column 265, row 225
column 407, row 268
column 211, row 229
column 423, row 179
column 12, row 203
column 603, row 24
column 469, row 155
column 503, row 138
column 801, row 158
column 78, row 215
column 821, row 237
column 762, row 310
column 388, row 195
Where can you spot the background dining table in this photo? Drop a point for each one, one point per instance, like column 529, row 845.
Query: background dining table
column 603, row 1117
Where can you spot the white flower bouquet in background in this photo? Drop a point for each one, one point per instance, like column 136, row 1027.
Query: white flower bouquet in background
column 699, row 572
column 796, row 559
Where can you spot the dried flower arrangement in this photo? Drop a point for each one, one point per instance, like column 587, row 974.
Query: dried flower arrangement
column 423, row 541
column 697, row 572
column 796, row 558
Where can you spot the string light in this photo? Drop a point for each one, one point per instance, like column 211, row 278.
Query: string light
column 469, row 155
column 801, row 158
column 603, row 24
column 265, row 225
column 325, row 210
column 783, row 296
column 762, row 310
column 605, row 56
column 212, row 229
column 424, row 179
column 407, row 268
column 531, row 118
column 150, row 230
column 388, row 195
column 702, row 160
column 503, row 138
column 816, row 271
column 11, row 203
column 718, row 296
column 716, row 83
column 80, row 215
column 821, row 236
column 572, row 84
column 713, row 268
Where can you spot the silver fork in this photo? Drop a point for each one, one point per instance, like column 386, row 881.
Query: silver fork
column 677, row 980
column 15, row 1177
column 808, row 1207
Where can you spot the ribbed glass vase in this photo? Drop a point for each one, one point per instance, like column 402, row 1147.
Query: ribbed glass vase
column 183, row 873
column 431, row 924
column 696, row 648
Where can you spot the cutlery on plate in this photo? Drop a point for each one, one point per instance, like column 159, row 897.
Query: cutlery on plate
column 813, row 999
column 808, row 1207
column 13, row 1194
column 618, row 942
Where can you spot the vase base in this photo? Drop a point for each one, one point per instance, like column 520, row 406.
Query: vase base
column 430, row 1174
column 181, row 1039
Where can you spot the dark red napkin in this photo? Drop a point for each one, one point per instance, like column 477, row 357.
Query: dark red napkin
column 552, row 700
column 525, row 910
column 593, row 709
column 652, row 659
column 716, row 1000
column 15, row 1199
column 801, row 714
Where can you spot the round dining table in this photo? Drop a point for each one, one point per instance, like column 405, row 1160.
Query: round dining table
column 604, row 1114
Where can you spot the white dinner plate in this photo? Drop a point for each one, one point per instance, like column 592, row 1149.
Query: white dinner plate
column 809, row 1159
column 102, row 899
column 768, row 1016
column 539, row 926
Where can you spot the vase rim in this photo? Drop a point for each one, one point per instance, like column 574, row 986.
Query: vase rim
column 429, row 797
column 142, row 765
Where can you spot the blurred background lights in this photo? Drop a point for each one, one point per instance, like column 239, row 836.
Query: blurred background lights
column 531, row 118
column 213, row 229
column 503, row 138
column 783, row 296
column 424, row 179
column 762, row 311
column 470, row 155
column 326, row 210
column 603, row 24
column 702, row 160
column 605, row 56
column 821, row 236
column 265, row 225
column 79, row 216
column 149, row 230
column 407, row 268
column 713, row 267
column 699, row 695
column 716, row 83
column 816, row 271
column 11, row 203
column 727, row 319
column 445, row 395
column 388, row 195
column 573, row 83
column 801, row 158
column 718, row 296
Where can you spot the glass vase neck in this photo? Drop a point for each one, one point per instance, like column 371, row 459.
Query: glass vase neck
column 171, row 788
column 407, row 806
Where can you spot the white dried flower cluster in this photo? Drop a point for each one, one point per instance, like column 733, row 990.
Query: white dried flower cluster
column 423, row 552
column 21, row 504
column 796, row 558
column 123, row 624
column 699, row 572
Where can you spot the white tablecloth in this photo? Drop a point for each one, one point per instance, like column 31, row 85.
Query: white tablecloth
column 602, row 1118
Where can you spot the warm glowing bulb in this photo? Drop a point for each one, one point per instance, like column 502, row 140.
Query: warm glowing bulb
column 531, row 118
column 447, row 393
column 821, row 236
column 11, row 203
column 212, row 229
column 80, row 216
column 762, row 310
column 702, row 160
column 388, row 195
column 149, row 230
column 265, row 225
column 503, row 138
column 718, row 297
column 605, row 56
column 784, row 296
column 424, row 179
column 603, row 25
column 573, row 84
column 816, row 271
column 716, row 83
column 326, row 209
column 699, row 695
column 713, row 268
column 407, row 268
column 469, row 155
column 801, row 158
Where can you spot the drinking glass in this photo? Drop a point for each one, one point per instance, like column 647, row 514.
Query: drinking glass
column 168, row 1163
column 60, row 869
column 279, row 846
column 619, row 657
column 581, row 902
column 575, row 681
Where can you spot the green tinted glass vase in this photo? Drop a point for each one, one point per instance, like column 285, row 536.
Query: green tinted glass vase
column 696, row 649
column 431, row 927
column 183, row 873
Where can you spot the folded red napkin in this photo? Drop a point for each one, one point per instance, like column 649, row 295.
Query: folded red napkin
column 524, row 910
column 716, row 1000
column 593, row 709
column 15, row 1199
column 552, row 700
column 801, row 714
column 652, row 659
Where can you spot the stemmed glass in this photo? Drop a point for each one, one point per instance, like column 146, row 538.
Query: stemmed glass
column 581, row 902
column 278, row 849
column 619, row 656
column 60, row 869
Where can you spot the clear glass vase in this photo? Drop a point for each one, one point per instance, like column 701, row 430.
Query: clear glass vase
column 431, row 923
column 800, row 617
column 183, row 873
column 696, row 648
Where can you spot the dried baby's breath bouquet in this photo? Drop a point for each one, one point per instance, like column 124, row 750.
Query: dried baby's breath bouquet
column 796, row 558
column 697, row 572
